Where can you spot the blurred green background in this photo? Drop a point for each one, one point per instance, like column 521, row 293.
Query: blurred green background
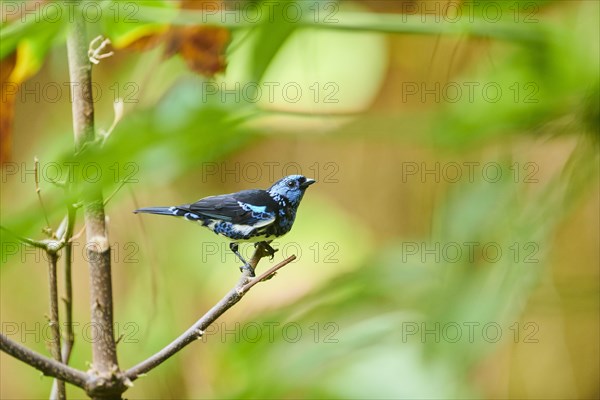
column 449, row 250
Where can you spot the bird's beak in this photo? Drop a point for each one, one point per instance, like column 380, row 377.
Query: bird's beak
column 307, row 183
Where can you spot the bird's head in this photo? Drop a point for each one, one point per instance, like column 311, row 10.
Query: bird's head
column 291, row 187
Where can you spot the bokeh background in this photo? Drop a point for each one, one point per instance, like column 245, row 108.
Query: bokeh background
column 449, row 250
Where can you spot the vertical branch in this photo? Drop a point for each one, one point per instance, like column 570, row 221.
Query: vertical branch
column 80, row 72
column 104, row 353
column 54, row 322
column 104, row 349
column 69, row 336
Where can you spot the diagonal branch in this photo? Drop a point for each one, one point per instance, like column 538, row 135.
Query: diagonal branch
column 268, row 274
column 197, row 330
column 46, row 365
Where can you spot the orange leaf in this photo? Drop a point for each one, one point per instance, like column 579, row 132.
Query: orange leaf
column 7, row 106
column 202, row 47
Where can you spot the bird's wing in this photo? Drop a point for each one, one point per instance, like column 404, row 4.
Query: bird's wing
column 249, row 207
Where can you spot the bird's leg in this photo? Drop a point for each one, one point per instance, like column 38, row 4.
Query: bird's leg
column 246, row 267
column 267, row 248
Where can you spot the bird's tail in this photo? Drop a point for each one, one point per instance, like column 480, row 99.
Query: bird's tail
column 161, row 211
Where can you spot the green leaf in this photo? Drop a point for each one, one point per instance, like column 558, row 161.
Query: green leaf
column 126, row 21
column 32, row 39
column 268, row 37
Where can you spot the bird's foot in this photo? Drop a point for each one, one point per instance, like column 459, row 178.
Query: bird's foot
column 266, row 247
column 247, row 267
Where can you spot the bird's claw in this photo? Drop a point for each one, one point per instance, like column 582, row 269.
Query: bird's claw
column 273, row 255
column 247, row 267
column 266, row 247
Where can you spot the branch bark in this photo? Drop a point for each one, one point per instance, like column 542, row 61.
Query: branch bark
column 104, row 353
column 46, row 365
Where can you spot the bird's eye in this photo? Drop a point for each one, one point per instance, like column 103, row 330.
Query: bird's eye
column 291, row 184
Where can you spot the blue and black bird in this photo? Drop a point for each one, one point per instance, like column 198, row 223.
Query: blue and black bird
column 257, row 216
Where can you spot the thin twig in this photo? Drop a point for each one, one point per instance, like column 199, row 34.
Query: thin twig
column 118, row 109
column 110, row 196
column 69, row 335
column 268, row 274
column 36, row 165
column 78, row 234
column 65, row 232
column 197, row 330
column 54, row 322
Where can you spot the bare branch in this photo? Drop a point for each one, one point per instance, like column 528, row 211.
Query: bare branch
column 46, row 365
column 78, row 234
column 110, row 384
column 119, row 187
column 69, row 335
column 58, row 391
column 197, row 330
column 268, row 274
